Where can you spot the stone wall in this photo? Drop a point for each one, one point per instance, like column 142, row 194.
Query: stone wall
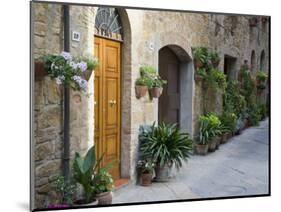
column 145, row 33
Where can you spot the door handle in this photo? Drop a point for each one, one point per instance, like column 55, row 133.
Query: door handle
column 112, row 102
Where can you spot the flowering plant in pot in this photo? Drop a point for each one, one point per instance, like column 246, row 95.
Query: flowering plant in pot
column 146, row 168
column 69, row 71
column 84, row 170
column 167, row 146
column 103, row 184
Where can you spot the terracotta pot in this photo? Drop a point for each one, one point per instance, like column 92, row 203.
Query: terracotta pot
column 162, row 173
column 80, row 202
column 218, row 142
column 104, row 198
column 198, row 64
column 39, row 69
column 141, row 90
column 229, row 135
column 146, row 179
column 155, row 92
column 212, row 145
column 201, row 149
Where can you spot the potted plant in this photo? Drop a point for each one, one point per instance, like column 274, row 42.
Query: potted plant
column 167, row 146
column 157, row 87
column 84, row 170
column 141, row 88
column 204, row 136
column 215, row 59
column 146, row 168
column 261, row 78
column 69, row 71
column 103, row 184
column 228, row 120
column 200, row 55
column 200, row 74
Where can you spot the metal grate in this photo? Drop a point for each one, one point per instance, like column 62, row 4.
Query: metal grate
column 108, row 23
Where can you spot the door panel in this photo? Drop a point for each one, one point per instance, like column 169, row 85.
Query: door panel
column 169, row 101
column 108, row 116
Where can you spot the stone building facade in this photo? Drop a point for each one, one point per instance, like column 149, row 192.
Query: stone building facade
column 145, row 33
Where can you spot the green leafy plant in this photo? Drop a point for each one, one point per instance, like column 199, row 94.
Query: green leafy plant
column 200, row 54
column 165, row 144
column 84, row 170
column 215, row 58
column 228, row 120
column 65, row 190
column 102, row 181
column 158, row 82
column 69, row 71
column 254, row 114
column 209, row 127
column 261, row 76
column 145, row 166
column 144, row 81
column 262, row 110
column 216, row 79
column 147, row 71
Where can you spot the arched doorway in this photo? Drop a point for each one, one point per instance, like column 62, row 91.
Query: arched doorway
column 175, row 103
column 253, row 61
column 111, row 42
column 262, row 61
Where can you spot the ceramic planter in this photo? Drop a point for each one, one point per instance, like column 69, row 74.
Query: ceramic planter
column 212, row 145
column 201, row 149
column 155, row 92
column 162, row 173
column 104, row 198
column 146, row 179
column 39, row 69
column 141, row 90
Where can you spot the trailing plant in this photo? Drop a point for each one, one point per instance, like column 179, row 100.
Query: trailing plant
column 146, row 166
column 166, row 145
column 65, row 189
column 68, row 71
column 102, row 181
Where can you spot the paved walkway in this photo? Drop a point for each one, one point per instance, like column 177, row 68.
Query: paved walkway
column 239, row 167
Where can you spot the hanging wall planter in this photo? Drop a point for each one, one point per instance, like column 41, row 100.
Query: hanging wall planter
column 141, row 90
column 155, row 92
column 39, row 69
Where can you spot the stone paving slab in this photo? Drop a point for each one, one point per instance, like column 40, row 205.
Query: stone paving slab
column 239, row 167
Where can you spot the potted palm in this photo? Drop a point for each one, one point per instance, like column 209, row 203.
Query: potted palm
column 103, row 184
column 167, row 146
column 146, row 168
column 203, row 138
column 84, row 170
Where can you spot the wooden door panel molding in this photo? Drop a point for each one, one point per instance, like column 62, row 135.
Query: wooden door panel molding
column 107, row 107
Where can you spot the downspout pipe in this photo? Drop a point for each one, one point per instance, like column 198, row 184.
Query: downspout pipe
column 66, row 111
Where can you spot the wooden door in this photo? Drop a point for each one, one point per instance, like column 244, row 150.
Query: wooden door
column 169, row 101
column 107, row 103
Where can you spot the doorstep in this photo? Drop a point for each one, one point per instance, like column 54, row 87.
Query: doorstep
column 120, row 183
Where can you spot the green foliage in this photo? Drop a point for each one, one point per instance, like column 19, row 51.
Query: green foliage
column 84, row 170
column 216, row 79
column 102, row 181
column 200, row 54
column 158, row 82
column 254, row 114
column 248, row 86
column 65, row 190
column 165, row 144
column 234, row 102
column 210, row 126
column 262, row 110
column 261, row 76
column 214, row 57
column 144, row 81
column 147, row 71
column 146, row 166
column 228, row 120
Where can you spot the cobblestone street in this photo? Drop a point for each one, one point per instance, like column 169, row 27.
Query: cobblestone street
column 239, row 167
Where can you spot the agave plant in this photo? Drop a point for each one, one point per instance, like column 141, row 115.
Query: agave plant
column 165, row 144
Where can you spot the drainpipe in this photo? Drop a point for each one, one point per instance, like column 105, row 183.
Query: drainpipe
column 66, row 113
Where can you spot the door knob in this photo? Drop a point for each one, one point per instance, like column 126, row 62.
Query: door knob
column 112, row 102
